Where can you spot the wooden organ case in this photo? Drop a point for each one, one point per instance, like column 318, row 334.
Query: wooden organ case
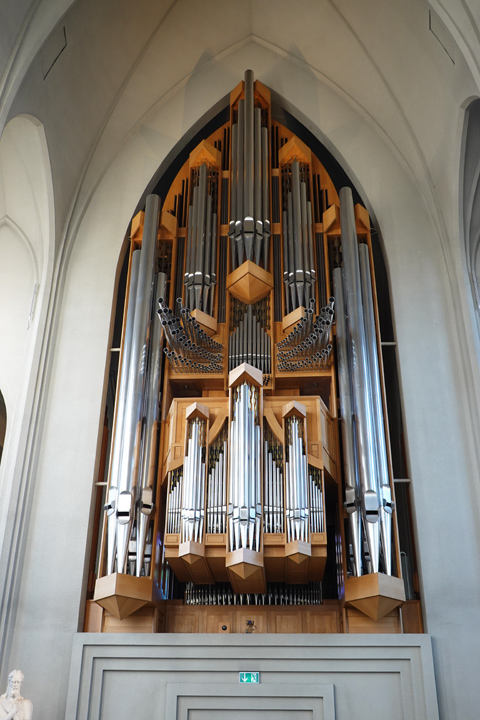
column 250, row 484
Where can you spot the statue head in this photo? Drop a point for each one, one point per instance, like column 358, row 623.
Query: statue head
column 15, row 680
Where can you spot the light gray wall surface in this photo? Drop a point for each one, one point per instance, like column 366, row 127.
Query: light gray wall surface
column 328, row 677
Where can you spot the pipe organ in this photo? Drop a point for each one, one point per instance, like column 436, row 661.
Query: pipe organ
column 228, row 476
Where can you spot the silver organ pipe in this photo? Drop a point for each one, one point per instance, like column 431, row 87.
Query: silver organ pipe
column 249, row 227
column 273, row 506
column 127, row 482
column 217, row 485
column 189, row 349
column 200, row 265
column 146, row 499
column 110, row 506
column 296, row 482
column 361, row 381
column 174, row 505
column 249, row 340
column 244, row 499
column 299, row 268
column 193, row 491
column 233, row 196
column 350, row 470
column 308, row 346
column 317, row 519
column 386, row 504
column 276, row 594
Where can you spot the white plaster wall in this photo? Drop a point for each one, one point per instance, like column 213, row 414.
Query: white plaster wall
column 26, row 265
column 17, row 279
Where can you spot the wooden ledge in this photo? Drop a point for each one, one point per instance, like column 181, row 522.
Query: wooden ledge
column 206, row 322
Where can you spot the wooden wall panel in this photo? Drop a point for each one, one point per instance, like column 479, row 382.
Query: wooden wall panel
column 357, row 622
column 326, row 621
column 285, row 620
column 412, row 617
column 266, row 619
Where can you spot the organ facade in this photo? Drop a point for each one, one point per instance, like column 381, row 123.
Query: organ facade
column 250, row 458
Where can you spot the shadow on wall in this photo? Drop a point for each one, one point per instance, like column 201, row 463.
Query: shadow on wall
column 471, row 196
column 3, row 424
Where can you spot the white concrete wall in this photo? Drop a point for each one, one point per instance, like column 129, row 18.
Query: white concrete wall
column 322, row 677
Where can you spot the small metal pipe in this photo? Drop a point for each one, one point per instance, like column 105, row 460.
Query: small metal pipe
column 297, row 234
column 293, row 251
column 305, row 238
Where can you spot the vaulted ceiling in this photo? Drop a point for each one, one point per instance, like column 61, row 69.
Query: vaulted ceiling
column 92, row 71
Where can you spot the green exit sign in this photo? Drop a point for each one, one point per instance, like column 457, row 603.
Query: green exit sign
column 249, row 677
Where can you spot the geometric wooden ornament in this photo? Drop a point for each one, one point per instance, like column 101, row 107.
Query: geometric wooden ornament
column 191, row 551
column 122, row 594
column 249, row 282
column 298, row 551
column 294, row 149
column 244, row 562
column 375, row 595
column 245, row 373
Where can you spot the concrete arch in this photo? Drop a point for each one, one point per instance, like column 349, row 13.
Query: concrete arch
column 26, row 275
column 6, row 220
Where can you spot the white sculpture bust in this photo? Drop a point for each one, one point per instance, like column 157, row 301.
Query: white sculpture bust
column 12, row 705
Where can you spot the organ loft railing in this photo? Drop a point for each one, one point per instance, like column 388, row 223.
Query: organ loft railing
column 250, row 311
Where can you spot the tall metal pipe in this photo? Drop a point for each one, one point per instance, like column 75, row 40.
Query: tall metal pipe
column 240, row 181
column 360, row 377
column 386, row 505
column 286, row 262
column 297, row 233
column 249, row 203
column 233, row 195
column 120, row 414
column 200, row 236
column 213, row 266
column 265, row 197
column 258, row 185
column 306, row 255
column 313, row 273
column 136, row 376
column 352, row 489
column 146, row 500
column 207, row 280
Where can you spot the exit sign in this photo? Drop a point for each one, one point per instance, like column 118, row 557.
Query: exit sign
column 249, row 677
